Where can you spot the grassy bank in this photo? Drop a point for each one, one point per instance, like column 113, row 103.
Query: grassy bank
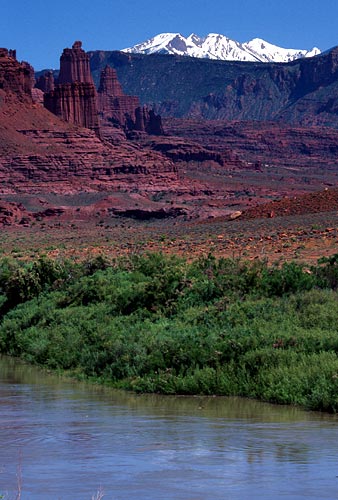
column 159, row 324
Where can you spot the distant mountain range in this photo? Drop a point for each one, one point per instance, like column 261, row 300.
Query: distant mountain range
column 301, row 92
column 216, row 46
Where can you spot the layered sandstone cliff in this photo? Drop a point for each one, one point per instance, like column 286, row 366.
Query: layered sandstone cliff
column 39, row 152
column 75, row 103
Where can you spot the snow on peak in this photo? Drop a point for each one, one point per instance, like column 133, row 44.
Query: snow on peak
column 267, row 52
column 154, row 45
column 217, row 46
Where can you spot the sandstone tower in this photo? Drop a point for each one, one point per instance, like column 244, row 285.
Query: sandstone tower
column 74, row 97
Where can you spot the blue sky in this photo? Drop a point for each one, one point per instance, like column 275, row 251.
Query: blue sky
column 39, row 30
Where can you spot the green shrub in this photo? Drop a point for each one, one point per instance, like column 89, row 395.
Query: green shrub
column 152, row 323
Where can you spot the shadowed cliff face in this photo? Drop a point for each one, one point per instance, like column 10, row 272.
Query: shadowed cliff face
column 45, row 82
column 301, row 92
column 115, row 108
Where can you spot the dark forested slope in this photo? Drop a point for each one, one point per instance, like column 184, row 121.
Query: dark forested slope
column 301, row 92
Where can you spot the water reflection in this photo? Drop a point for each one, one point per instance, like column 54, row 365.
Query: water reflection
column 74, row 437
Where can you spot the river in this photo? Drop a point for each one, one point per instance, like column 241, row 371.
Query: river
column 66, row 440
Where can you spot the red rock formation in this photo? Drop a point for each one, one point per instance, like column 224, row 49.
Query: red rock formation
column 147, row 121
column 74, row 65
column 12, row 213
column 30, row 77
column 109, row 84
column 179, row 149
column 41, row 153
column 46, row 82
column 116, row 108
column 37, row 96
column 322, row 201
column 74, row 99
column 74, row 103
column 260, row 144
column 113, row 105
column 14, row 76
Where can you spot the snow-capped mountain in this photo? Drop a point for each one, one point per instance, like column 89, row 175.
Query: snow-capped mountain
column 215, row 46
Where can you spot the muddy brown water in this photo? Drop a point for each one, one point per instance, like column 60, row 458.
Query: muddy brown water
column 65, row 440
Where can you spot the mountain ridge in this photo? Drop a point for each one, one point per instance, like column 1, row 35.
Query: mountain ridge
column 302, row 92
column 219, row 47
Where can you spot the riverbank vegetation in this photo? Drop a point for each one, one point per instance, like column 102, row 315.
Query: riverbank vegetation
column 152, row 323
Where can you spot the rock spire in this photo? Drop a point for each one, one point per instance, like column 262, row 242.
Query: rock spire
column 74, row 97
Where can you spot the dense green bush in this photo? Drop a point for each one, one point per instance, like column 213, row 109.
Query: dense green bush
column 158, row 324
column 327, row 272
